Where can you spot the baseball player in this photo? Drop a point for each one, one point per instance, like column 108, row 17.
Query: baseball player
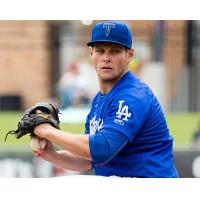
column 126, row 134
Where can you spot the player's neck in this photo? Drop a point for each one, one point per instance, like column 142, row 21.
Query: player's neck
column 105, row 87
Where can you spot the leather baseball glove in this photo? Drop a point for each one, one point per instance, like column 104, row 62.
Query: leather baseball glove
column 37, row 114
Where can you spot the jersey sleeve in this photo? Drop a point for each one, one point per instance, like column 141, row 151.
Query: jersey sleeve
column 105, row 145
column 126, row 115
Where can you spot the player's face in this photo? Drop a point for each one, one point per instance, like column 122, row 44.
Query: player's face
column 110, row 60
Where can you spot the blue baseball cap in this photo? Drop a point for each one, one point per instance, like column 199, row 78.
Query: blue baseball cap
column 110, row 31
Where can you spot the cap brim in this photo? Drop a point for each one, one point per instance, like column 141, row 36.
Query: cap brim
column 116, row 42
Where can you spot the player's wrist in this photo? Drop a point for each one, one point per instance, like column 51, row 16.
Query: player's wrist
column 52, row 133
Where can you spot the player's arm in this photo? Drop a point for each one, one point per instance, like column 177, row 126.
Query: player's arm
column 72, row 162
column 65, row 159
column 77, row 144
column 98, row 148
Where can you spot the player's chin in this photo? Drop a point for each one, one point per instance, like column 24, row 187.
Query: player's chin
column 107, row 76
column 107, row 79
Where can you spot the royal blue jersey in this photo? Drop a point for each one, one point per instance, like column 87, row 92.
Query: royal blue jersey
column 132, row 126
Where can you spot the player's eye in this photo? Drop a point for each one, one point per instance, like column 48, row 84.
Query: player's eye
column 99, row 50
column 115, row 51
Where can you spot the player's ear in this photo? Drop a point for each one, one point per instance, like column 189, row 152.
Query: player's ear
column 130, row 54
column 91, row 50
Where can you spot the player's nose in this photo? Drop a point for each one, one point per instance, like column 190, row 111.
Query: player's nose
column 106, row 57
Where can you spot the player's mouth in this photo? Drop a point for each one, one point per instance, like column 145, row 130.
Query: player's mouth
column 106, row 68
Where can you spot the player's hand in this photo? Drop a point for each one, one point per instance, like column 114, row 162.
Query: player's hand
column 48, row 153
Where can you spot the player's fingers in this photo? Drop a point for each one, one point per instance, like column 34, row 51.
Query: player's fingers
column 38, row 111
column 36, row 153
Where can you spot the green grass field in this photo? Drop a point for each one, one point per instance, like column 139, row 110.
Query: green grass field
column 181, row 125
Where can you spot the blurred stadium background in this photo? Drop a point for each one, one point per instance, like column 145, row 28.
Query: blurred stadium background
column 39, row 58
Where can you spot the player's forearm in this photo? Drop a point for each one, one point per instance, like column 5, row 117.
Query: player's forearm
column 69, row 161
column 77, row 144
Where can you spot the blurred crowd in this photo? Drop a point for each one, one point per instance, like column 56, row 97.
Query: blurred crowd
column 77, row 86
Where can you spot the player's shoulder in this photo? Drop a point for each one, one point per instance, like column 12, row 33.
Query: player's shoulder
column 132, row 84
column 133, row 92
column 135, row 89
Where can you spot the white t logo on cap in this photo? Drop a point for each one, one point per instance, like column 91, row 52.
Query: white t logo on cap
column 107, row 27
